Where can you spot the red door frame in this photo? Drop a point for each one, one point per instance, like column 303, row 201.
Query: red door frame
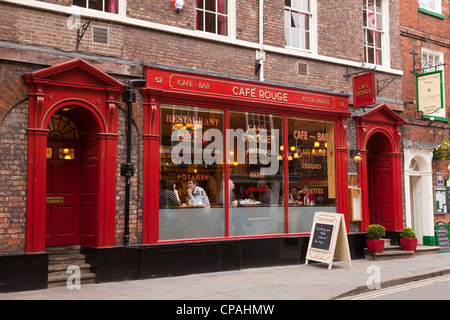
column 74, row 83
column 166, row 86
column 381, row 120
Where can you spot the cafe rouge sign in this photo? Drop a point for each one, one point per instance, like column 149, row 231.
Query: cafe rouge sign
column 169, row 81
column 364, row 89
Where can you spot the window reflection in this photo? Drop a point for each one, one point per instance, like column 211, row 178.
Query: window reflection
column 311, row 163
column 191, row 173
column 256, row 173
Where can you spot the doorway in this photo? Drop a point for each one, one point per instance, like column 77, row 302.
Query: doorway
column 71, row 178
column 380, row 173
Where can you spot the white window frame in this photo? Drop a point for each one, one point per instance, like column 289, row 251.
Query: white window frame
column 288, row 29
column 119, row 7
column 384, row 33
column 230, row 25
column 438, row 58
column 425, row 4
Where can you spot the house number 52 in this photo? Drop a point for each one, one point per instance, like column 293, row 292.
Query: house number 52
column 158, row 79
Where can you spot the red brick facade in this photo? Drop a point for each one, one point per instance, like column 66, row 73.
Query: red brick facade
column 421, row 30
column 33, row 39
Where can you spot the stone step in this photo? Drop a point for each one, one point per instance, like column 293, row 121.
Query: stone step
column 392, row 252
column 60, row 259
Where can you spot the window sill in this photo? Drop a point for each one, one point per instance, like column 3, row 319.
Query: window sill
column 432, row 13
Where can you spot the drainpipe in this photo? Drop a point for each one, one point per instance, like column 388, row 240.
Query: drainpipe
column 127, row 169
column 260, row 54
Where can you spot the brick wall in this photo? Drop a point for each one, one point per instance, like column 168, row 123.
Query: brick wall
column 13, row 179
column 43, row 29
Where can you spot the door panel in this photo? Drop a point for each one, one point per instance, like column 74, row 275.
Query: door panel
column 381, row 204
column 62, row 192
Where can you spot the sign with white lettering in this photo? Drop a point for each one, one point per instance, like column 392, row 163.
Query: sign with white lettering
column 328, row 240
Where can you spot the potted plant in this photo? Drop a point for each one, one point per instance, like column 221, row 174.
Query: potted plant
column 374, row 234
column 408, row 239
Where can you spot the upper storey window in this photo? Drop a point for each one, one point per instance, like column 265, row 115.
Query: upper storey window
column 432, row 5
column 212, row 16
column 296, row 23
column 373, row 31
column 110, row 6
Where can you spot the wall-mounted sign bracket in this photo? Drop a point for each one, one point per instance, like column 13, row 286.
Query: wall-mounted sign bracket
column 419, row 67
column 81, row 31
column 348, row 74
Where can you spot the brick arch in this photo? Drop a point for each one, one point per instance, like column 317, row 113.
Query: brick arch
column 12, row 94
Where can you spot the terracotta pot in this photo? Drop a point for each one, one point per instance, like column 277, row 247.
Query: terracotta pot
column 376, row 246
column 408, row 244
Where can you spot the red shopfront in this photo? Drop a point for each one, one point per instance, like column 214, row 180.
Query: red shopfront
column 263, row 158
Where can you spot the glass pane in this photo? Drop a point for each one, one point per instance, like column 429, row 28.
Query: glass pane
column 111, row 6
column 312, row 185
column 257, row 174
column 295, row 19
column 96, row 4
column 287, row 18
column 199, row 25
column 304, row 22
column 296, row 4
column 199, row 4
column 210, row 22
column 191, row 173
column 210, row 5
column 287, row 40
column 295, row 38
column 222, row 6
column 80, row 3
column 287, row 3
column 66, row 153
column 305, row 40
column 305, row 5
column 49, row 153
column 222, row 25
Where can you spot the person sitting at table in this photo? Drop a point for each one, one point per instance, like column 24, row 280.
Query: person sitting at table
column 196, row 195
column 221, row 195
column 294, row 196
column 169, row 196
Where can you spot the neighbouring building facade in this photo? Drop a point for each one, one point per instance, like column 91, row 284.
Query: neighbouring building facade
column 425, row 50
column 175, row 137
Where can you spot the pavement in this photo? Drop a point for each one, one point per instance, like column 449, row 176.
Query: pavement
column 296, row 282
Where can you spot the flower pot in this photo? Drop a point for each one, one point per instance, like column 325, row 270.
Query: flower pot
column 408, row 244
column 376, row 246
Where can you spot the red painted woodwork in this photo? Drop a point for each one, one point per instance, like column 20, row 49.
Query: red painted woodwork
column 378, row 136
column 166, row 86
column 63, row 181
column 76, row 84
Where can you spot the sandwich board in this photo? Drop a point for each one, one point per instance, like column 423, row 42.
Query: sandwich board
column 328, row 240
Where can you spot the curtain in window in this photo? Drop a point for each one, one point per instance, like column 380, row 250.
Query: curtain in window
column 222, row 20
column 112, row 6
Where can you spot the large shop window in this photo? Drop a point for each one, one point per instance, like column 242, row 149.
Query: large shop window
column 257, row 174
column 191, row 173
column 201, row 154
column 312, row 183
column 212, row 16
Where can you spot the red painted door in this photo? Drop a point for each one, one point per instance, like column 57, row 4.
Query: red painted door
column 62, row 193
column 381, row 200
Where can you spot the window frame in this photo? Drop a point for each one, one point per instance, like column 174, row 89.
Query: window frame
column 309, row 32
column 118, row 7
column 437, row 10
column 230, row 8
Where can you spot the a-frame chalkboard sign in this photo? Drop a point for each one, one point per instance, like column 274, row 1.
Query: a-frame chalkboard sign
column 328, row 240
